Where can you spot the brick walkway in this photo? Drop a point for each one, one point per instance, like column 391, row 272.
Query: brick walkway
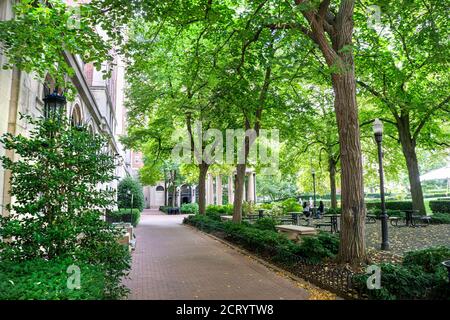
column 173, row 261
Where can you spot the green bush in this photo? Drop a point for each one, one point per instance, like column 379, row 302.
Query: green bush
column 189, row 208
column 41, row 279
column 164, row 209
column 248, row 208
column 391, row 205
column 58, row 206
column 440, row 218
column 215, row 211
column 420, row 276
column 333, row 211
column 440, row 206
column 266, row 224
column 291, row 205
column 318, row 248
column 428, row 259
column 124, row 200
column 399, row 283
column 268, row 242
column 390, row 213
column 125, row 215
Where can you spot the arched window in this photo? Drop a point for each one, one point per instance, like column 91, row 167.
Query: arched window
column 159, row 188
column 75, row 118
column 91, row 129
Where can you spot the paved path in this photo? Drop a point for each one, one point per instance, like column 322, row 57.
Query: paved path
column 173, row 261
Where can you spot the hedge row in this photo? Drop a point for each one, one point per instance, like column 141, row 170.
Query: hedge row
column 420, row 276
column 440, row 206
column 269, row 243
column 124, row 215
column 189, row 208
column 391, row 205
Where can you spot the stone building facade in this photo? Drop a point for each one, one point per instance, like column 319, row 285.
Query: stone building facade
column 99, row 104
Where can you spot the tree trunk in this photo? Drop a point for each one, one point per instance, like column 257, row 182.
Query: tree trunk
column 352, row 246
column 203, row 170
column 332, row 170
column 239, row 192
column 409, row 151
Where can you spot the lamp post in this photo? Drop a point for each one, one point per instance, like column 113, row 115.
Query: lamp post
column 313, row 172
column 378, row 131
column 55, row 104
column 131, row 195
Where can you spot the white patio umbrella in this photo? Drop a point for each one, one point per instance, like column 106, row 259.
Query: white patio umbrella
column 438, row 174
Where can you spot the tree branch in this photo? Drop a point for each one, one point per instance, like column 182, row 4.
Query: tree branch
column 428, row 116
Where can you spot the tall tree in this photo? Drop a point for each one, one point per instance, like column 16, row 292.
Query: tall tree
column 329, row 24
column 403, row 64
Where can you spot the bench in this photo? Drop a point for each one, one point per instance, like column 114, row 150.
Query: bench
column 325, row 224
column 128, row 237
column 294, row 232
column 371, row 218
column 394, row 221
column 226, row 218
column 426, row 220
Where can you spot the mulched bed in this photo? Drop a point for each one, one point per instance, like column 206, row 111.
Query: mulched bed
column 403, row 239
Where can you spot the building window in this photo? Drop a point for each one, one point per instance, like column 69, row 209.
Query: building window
column 159, row 188
column 75, row 118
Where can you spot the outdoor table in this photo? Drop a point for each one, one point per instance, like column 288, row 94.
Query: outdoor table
column 409, row 217
column 333, row 221
column 296, row 216
column 261, row 213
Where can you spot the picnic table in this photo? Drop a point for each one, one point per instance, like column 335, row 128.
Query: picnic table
column 333, row 224
column 298, row 216
column 294, row 232
column 411, row 219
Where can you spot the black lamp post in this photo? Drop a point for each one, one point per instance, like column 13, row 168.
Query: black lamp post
column 131, row 202
column 55, row 104
column 313, row 172
column 378, row 131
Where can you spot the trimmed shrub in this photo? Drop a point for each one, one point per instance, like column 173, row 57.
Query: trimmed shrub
column 420, row 276
column 291, row 205
column 399, row 282
column 164, row 209
column 440, row 206
column 189, row 208
column 40, row 279
column 124, row 215
column 270, row 243
column 266, row 224
column 390, row 213
column 215, row 211
column 440, row 218
column 333, row 211
column 391, row 205
column 428, row 259
column 248, row 208
column 124, row 200
column 316, row 249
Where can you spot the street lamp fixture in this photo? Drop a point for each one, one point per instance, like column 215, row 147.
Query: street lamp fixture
column 378, row 132
column 55, row 104
column 313, row 172
column 131, row 202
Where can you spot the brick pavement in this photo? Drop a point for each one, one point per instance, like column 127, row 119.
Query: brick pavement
column 173, row 261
